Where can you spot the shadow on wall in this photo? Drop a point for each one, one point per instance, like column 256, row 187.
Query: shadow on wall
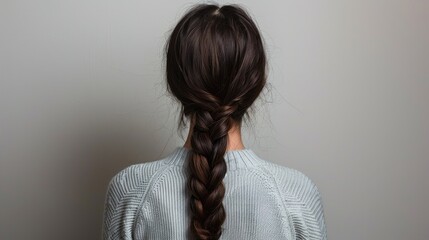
column 93, row 153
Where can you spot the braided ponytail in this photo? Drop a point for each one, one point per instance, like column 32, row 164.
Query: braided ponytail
column 207, row 168
column 216, row 69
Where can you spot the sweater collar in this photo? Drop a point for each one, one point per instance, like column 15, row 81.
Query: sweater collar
column 242, row 158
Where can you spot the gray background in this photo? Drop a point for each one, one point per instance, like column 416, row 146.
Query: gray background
column 82, row 95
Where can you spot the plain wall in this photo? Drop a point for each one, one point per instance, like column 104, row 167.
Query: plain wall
column 82, row 95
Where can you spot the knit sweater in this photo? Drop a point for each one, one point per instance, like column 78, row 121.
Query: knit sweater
column 263, row 200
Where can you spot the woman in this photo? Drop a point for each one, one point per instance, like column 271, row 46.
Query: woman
column 213, row 187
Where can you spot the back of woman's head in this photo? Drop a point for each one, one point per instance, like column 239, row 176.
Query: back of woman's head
column 216, row 68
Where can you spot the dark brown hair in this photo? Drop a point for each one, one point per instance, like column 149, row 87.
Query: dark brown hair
column 216, row 68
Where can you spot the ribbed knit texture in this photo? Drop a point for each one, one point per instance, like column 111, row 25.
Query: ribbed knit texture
column 263, row 200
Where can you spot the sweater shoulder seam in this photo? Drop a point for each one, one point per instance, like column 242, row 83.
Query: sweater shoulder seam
column 151, row 183
column 265, row 170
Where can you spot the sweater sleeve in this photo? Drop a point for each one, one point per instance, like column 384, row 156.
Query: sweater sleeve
column 121, row 203
column 303, row 202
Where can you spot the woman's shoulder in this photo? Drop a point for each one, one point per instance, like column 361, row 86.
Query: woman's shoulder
column 125, row 192
column 136, row 175
column 302, row 199
column 287, row 176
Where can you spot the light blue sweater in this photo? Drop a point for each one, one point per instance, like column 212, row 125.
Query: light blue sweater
column 263, row 200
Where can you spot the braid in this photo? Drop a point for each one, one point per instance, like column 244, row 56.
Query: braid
column 207, row 168
column 216, row 69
